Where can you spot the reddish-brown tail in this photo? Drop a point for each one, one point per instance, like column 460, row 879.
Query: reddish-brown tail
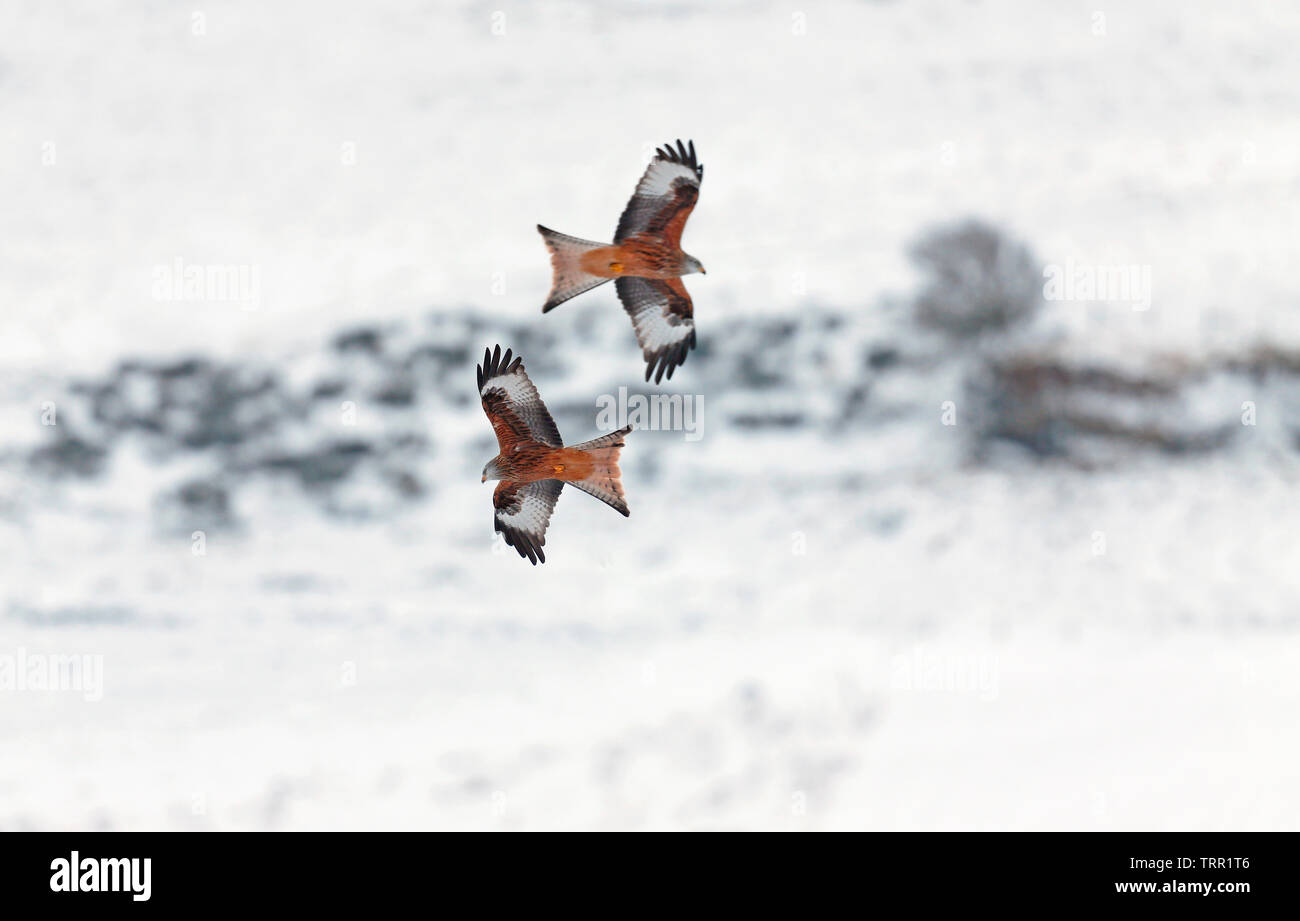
column 605, row 481
column 569, row 278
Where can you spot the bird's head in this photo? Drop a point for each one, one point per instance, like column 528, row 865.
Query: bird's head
column 691, row 264
column 491, row 471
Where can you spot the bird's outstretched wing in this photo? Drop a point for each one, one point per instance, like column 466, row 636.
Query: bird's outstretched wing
column 511, row 402
column 522, row 513
column 662, row 315
column 665, row 195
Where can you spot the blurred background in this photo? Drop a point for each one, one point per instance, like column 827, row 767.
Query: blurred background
column 991, row 518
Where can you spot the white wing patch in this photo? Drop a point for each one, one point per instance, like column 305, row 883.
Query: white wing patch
column 516, row 386
column 523, row 521
column 668, row 171
column 659, row 176
column 663, row 322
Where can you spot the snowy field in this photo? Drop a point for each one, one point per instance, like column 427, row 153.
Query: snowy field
column 1078, row 607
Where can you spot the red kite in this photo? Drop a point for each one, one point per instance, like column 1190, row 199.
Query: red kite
column 533, row 464
column 645, row 260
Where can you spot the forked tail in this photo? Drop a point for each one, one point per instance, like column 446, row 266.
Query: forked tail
column 569, row 279
column 605, row 481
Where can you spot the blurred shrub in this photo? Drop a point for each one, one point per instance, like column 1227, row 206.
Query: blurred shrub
column 978, row 279
column 69, row 455
column 1089, row 414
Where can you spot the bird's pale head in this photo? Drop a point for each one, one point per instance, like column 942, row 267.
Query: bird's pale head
column 691, row 264
column 491, row 471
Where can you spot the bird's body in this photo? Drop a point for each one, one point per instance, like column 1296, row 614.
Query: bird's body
column 532, row 463
column 642, row 256
column 645, row 261
column 529, row 461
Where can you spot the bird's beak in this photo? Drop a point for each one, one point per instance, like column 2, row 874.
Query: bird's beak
column 702, row 272
column 484, row 480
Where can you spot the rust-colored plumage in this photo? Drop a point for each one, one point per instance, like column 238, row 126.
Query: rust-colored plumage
column 645, row 260
column 532, row 463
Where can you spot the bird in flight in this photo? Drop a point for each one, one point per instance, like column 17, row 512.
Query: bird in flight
column 533, row 464
column 645, row 260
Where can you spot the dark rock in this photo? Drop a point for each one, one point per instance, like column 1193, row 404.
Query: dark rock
column 780, row 420
column 882, row 358
column 362, row 339
column 396, row 392
column 206, row 498
column 406, row 484
column 328, row 390
column 322, row 467
column 69, row 455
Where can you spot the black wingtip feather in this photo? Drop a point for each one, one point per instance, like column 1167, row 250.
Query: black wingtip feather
column 663, row 363
column 682, row 154
column 494, row 363
column 523, row 544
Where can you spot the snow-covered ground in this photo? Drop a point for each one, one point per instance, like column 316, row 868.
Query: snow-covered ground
column 831, row 610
